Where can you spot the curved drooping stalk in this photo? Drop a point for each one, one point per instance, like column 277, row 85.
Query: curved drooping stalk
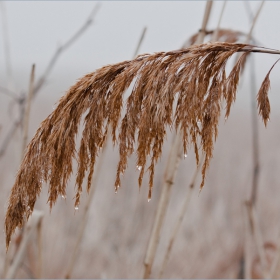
column 194, row 77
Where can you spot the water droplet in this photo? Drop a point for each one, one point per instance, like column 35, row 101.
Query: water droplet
column 76, row 207
column 268, row 119
column 226, row 118
column 139, row 167
column 149, row 199
column 63, row 196
column 185, row 156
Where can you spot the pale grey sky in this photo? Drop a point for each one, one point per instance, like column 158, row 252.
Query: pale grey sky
column 35, row 30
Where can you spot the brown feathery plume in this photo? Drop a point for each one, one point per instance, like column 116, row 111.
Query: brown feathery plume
column 194, row 77
column 262, row 98
column 223, row 35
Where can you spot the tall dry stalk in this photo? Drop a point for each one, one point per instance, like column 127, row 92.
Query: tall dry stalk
column 255, row 130
column 218, row 33
column 194, row 77
column 174, row 158
column 255, row 145
column 180, row 219
column 217, row 30
column 25, row 113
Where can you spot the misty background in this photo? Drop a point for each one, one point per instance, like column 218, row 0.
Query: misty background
column 211, row 241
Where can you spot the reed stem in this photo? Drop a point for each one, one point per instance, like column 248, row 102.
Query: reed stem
column 180, row 218
column 174, row 158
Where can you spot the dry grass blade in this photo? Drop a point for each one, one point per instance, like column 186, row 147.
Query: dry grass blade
column 194, row 78
column 262, row 98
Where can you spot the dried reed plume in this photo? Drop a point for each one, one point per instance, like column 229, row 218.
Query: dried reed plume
column 193, row 79
column 223, row 35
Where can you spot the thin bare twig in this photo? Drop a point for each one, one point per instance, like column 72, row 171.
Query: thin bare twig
column 8, row 92
column 6, row 43
column 175, row 156
column 140, row 42
column 64, row 47
column 255, row 135
column 8, row 137
column 41, row 81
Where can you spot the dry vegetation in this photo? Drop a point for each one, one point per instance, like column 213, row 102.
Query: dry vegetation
column 194, row 77
column 137, row 103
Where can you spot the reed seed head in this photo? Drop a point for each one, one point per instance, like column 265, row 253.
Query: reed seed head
column 178, row 88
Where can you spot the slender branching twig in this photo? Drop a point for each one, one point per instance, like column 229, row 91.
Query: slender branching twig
column 9, row 93
column 41, row 81
column 64, row 47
